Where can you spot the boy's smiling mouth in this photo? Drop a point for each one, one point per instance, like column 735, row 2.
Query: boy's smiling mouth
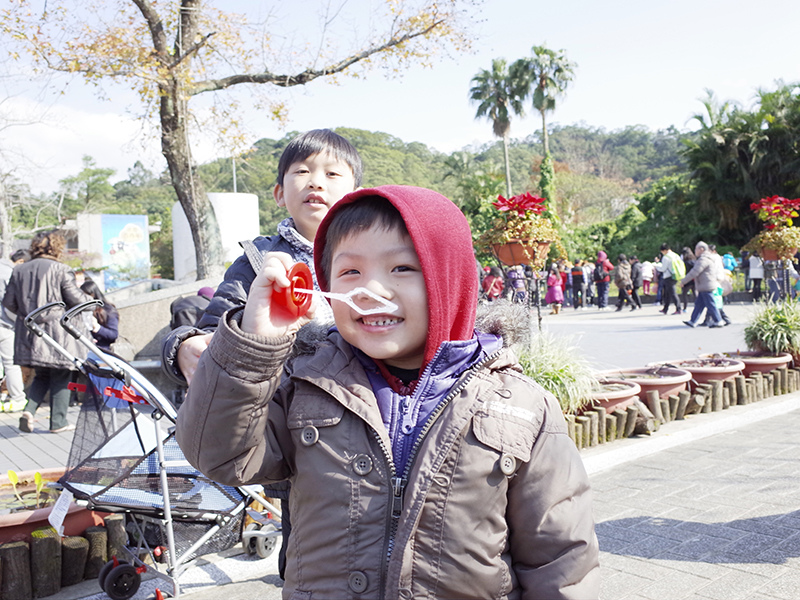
column 380, row 320
column 314, row 199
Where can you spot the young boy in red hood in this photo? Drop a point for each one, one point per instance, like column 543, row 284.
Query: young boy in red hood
column 422, row 461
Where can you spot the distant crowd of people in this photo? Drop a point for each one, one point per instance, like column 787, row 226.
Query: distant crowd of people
column 673, row 279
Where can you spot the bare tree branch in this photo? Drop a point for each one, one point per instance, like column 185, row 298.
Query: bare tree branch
column 304, row 77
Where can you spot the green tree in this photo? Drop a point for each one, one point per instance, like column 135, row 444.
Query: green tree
column 90, row 189
column 544, row 77
column 172, row 52
column 497, row 94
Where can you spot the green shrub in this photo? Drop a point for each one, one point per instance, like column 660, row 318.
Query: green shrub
column 775, row 328
column 556, row 364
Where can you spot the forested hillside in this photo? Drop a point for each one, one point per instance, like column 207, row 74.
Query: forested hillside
column 598, row 171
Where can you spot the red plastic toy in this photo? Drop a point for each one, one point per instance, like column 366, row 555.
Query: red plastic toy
column 288, row 303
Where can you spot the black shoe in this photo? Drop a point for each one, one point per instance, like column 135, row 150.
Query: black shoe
column 689, row 324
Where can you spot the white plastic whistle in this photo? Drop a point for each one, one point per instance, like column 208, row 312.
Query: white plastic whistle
column 384, row 305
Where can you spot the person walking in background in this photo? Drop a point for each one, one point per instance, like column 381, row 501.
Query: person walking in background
column 578, row 285
column 622, row 279
column 42, row 280
column 706, row 275
column 688, row 260
column 516, row 279
column 588, row 270
column 493, row 284
column 756, row 275
column 566, row 280
column 602, row 278
column 636, row 281
column 105, row 319
column 647, row 276
column 554, row 296
column 672, row 270
column 15, row 399
column 746, row 269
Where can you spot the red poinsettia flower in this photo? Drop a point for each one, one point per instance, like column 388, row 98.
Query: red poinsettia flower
column 776, row 211
column 522, row 204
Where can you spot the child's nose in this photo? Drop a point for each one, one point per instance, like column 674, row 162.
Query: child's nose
column 315, row 180
column 376, row 287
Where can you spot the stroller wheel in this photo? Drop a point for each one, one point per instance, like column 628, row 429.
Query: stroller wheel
column 105, row 570
column 122, row 582
column 265, row 545
column 249, row 544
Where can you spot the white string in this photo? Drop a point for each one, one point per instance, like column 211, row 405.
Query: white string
column 384, row 305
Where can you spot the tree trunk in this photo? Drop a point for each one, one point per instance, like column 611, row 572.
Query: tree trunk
column 6, row 236
column 508, row 166
column 196, row 205
column 545, row 138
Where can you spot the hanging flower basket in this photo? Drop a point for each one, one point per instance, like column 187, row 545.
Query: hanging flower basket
column 520, row 235
column 780, row 239
column 522, row 252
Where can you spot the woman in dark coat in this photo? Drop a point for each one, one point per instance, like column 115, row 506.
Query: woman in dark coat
column 105, row 319
column 688, row 259
column 42, row 280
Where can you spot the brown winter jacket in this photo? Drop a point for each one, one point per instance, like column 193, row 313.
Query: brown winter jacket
column 497, row 502
column 34, row 284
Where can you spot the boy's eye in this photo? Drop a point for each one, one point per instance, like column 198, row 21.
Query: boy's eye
column 333, row 174
column 403, row 268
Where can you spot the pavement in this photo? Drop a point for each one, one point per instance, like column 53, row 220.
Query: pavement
column 704, row 509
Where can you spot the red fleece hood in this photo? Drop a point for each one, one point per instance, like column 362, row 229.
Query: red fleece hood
column 443, row 242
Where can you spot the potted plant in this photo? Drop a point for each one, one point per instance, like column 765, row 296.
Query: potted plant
column 26, row 503
column 772, row 335
column 613, row 394
column 556, row 364
column 780, row 239
column 666, row 380
column 708, row 367
column 520, row 234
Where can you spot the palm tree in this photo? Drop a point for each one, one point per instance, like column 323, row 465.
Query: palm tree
column 544, row 76
column 497, row 95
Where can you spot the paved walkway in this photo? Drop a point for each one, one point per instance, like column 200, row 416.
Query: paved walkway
column 705, row 509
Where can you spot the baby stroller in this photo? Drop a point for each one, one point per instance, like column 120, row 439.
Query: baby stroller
column 124, row 459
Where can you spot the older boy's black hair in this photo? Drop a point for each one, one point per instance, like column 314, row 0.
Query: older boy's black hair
column 355, row 218
column 316, row 141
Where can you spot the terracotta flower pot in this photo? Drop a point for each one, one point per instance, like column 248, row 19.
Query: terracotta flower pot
column 614, row 394
column 522, row 252
column 707, row 368
column 667, row 381
column 17, row 526
column 760, row 361
column 769, row 254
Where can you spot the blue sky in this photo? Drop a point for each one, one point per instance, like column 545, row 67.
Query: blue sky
column 639, row 62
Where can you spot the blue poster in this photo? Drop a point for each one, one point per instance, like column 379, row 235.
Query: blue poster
column 126, row 250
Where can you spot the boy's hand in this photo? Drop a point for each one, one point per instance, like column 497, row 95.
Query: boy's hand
column 258, row 318
column 189, row 354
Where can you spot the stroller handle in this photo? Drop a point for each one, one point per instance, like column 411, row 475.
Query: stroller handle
column 78, row 308
column 30, row 319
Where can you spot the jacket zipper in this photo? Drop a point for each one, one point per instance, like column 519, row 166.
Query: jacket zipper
column 398, row 484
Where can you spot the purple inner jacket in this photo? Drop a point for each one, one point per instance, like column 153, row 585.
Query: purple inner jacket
column 405, row 416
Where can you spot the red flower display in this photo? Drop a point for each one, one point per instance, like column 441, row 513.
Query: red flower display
column 523, row 204
column 776, row 211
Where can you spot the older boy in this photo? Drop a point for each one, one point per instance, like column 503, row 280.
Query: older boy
column 422, row 461
column 315, row 170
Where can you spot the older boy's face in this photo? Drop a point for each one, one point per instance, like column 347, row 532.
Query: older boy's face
column 386, row 263
column 310, row 187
